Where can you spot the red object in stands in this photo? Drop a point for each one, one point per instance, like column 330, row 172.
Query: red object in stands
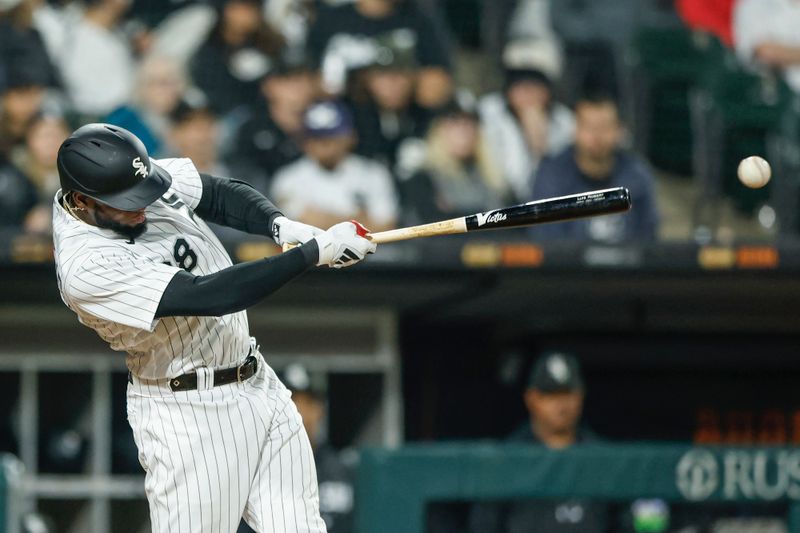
column 713, row 16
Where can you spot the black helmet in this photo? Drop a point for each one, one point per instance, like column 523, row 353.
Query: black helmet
column 111, row 165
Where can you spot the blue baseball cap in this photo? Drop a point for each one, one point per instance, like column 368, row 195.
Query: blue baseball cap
column 327, row 119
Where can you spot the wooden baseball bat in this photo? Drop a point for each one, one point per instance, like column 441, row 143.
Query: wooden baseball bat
column 562, row 208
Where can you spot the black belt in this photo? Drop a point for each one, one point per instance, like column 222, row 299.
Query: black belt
column 236, row 374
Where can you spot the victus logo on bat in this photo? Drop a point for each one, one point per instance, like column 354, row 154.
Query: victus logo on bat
column 492, row 217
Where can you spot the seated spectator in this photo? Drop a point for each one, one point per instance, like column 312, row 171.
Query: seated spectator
column 151, row 13
column 330, row 184
column 554, row 400
column 594, row 35
column 182, row 32
column 712, row 16
column 97, row 62
column 596, row 161
column 291, row 17
column 343, row 37
column 383, row 99
column 21, row 41
column 270, row 138
column 459, row 175
column 21, row 97
column 160, row 84
column 230, row 64
column 17, row 196
column 765, row 31
column 195, row 134
column 36, row 159
column 524, row 122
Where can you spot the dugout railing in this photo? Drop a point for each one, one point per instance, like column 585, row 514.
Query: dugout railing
column 395, row 486
column 10, row 493
column 344, row 341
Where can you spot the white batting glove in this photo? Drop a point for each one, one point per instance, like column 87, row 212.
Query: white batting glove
column 343, row 245
column 286, row 231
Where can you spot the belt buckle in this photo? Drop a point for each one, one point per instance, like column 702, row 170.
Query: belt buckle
column 239, row 373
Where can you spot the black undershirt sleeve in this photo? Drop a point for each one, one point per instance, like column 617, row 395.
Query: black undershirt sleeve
column 234, row 288
column 236, row 204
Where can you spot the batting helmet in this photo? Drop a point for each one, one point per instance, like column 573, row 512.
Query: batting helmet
column 111, row 165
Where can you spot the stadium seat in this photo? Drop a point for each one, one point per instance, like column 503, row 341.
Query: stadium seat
column 783, row 151
column 663, row 64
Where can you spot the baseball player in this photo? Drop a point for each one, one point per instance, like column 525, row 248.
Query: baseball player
column 217, row 433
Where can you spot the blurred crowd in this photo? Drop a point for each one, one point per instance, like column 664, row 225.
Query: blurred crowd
column 334, row 109
column 367, row 109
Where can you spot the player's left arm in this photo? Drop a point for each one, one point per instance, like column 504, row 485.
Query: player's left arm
column 236, row 204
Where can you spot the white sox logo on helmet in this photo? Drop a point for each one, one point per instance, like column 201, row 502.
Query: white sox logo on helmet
column 140, row 167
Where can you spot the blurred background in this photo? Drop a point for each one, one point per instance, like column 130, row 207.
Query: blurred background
column 632, row 373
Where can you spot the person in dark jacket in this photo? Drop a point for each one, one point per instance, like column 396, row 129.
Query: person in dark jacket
column 270, row 138
column 230, row 64
column 341, row 33
column 554, row 400
column 596, row 161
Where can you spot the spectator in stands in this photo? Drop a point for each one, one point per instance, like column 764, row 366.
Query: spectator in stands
column 330, row 184
column 596, row 161
column 270, row 138
column 160, row 84
column 151, row 13
column 195, row 134
column 292, row 17
column 712, row 16
column 595, row 35
column 554, row 400
column 97, row 62
column 386, row 113
column 459, row 176
column 524, row 122
column 36, row 159
column 765, row 31
column 21, row 97
column 344, row 37
column 230, row 64
column 21, row 41
column 17, row 196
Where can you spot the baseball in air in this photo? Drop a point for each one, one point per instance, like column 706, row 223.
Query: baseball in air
column 754, row 172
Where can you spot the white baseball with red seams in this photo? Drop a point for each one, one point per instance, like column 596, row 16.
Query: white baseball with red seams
column 754, row 172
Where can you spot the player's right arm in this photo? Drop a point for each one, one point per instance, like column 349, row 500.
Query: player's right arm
column 239, row 286
column 117, row 285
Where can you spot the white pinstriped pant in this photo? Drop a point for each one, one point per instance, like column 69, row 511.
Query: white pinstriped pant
column 215, row 456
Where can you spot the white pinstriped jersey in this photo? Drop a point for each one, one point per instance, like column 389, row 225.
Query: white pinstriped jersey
column 115, row 285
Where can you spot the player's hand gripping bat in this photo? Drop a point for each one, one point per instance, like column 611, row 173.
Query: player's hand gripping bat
column 562, row 208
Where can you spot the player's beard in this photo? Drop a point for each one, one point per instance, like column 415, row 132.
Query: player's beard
column 129, row 232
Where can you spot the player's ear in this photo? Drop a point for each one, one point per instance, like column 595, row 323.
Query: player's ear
column 80, row 201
